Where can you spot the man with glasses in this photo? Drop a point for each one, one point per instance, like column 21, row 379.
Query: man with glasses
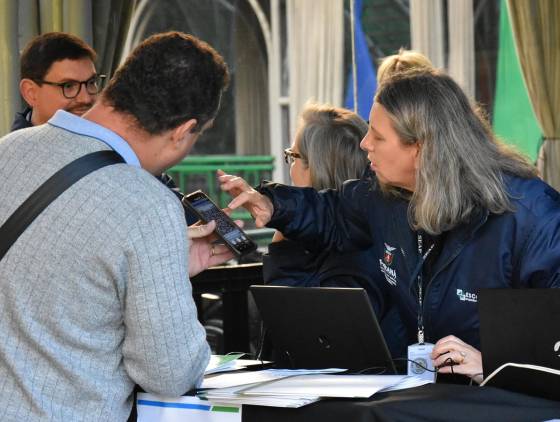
column 57, row 72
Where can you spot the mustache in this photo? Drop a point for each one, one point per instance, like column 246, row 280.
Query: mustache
column 79, row 108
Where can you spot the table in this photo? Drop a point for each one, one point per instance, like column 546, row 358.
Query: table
column 433, row 402
column 232, row 282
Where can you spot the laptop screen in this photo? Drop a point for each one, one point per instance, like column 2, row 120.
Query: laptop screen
column 521, row 326
column 322, row 327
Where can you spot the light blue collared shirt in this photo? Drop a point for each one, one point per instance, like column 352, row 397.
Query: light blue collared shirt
column 67, row 121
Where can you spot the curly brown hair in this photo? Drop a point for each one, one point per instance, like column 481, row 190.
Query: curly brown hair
column 45, row 49
column 167, row 80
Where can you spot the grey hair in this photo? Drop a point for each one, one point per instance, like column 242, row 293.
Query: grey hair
column 328, row 141
column 462, row 164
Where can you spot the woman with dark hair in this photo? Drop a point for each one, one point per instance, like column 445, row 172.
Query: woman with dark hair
column 453, row 209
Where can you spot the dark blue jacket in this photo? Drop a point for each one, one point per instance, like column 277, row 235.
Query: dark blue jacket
column 514, row 249
column 20, row 120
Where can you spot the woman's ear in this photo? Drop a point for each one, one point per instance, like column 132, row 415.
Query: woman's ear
column 417, row 154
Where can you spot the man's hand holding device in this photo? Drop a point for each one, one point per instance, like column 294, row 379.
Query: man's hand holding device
column 214, row 225
column 204, row 252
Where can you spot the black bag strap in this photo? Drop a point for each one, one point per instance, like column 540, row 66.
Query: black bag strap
column 16, row 224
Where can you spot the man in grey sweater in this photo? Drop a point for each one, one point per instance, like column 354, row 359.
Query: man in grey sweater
column 95, row 294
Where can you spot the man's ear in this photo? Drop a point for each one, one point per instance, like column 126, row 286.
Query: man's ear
column 184, row 132
column 28, row 90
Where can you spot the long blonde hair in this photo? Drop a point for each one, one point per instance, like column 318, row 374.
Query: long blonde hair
column 462, row 164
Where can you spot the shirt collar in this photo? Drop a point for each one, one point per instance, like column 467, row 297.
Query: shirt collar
column 72, row 123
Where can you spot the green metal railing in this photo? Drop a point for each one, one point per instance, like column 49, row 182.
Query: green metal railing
column 262, row 237
column 199, row 172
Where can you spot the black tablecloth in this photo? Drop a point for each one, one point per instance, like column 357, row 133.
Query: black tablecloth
column 433, row 402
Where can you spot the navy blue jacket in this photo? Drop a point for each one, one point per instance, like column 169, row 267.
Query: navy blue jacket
column 20, row 120
column 514, row 249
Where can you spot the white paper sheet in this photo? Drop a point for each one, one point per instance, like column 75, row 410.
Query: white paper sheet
column 324, row 385
column 248, row 377
column 408, row 382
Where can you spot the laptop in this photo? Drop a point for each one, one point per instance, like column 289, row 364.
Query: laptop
column 322, row 327
column 521, row 327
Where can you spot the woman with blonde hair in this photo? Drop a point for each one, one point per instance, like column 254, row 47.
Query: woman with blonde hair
column 403, row 61
column 455, row 211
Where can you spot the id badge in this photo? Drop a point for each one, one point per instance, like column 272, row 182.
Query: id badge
column 420, row 363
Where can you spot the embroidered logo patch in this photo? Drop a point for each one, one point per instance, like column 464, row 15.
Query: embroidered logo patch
column 388, row 255
column 389, row 273
column 466, row 296
column 385, row 265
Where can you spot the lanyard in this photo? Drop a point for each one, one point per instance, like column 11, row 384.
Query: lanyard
column 420, row 288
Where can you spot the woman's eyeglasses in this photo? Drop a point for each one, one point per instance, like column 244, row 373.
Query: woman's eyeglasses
column 290, row 156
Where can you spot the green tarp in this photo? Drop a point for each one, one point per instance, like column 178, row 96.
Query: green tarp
column 514, row 120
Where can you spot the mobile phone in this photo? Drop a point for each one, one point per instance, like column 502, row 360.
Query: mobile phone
column 226, row 229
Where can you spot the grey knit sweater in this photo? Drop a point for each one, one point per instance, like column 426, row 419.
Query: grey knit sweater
column 95, row 295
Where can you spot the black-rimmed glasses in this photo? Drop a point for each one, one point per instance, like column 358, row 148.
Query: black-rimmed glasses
column 71, row 89
column 290, row 156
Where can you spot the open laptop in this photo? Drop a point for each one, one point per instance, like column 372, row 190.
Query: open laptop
column 322, row 327
column 521, row 326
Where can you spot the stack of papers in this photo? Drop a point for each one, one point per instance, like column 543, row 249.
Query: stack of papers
column 233, row 396
column 227, row 389
column 285, row 388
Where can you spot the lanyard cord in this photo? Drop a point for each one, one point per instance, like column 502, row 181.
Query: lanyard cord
column 420, row 288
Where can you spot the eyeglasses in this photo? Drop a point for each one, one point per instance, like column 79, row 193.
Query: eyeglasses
column 71, row 89
column 290, row 156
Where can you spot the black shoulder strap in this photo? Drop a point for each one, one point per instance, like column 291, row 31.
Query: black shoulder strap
column 16, row 224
